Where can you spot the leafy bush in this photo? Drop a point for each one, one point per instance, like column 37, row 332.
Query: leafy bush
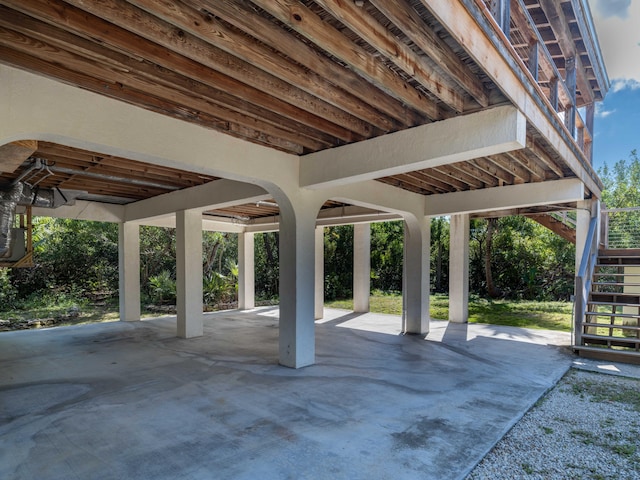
column 163, row 288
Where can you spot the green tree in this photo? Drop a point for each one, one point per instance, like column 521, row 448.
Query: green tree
column 621, row 182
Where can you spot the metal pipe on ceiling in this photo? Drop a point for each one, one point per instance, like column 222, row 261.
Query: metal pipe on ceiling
column 112, row 178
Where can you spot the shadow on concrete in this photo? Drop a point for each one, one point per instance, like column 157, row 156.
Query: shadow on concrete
column 129, row 400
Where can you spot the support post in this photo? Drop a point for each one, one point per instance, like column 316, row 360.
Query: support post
column 129, row 271
column 189, row 273
column 501, row 10
column 246, row 271
column 553, row 92
column 588, row 148
column 459, row 269
column 361, row 267
column 570, row 80
column 583, row 217
column 319, row 282
column 297, row 279
column 533, row 59
column 417, row 254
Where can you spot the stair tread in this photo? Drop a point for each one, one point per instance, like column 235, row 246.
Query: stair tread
column 606, row 350
column 611, row 314
column 618, row 284
column 607, row 337
column 607, row 325
column 614, row 304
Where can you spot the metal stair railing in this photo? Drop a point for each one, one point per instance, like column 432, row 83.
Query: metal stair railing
column 621, row 228
column 583, row 280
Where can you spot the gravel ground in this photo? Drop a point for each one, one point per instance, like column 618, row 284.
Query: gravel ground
column 587, row 427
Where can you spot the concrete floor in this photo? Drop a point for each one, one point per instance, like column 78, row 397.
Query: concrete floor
column 131, row 401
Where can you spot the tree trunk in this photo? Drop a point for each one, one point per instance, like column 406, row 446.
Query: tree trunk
column 492, row 291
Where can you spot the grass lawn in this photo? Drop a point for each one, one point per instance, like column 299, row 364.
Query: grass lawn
column 542, row 315
column 526, row 314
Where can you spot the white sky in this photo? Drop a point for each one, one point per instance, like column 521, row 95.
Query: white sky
column 618, row 28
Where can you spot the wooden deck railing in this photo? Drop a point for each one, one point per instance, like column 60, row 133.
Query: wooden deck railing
column 515, row 21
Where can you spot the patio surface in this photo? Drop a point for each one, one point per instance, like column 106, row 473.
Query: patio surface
column 131, row 401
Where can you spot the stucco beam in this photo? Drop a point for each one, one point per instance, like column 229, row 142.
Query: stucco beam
column 38, row 108
column 496, row 130
column 208, row 225
column 84, row 210
column 378, row 196
column 499, row 198
column 217, row 194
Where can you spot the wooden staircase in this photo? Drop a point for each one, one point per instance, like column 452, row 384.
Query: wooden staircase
column 611, row 327
column 556, row 225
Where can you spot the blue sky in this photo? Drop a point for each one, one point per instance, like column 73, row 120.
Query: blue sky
column 617, row 122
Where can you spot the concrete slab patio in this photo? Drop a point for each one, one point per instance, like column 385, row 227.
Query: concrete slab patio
column 130, row 400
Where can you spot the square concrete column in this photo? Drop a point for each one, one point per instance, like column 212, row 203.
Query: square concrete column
column 415, row 285
column 189, row 273
column 361, row 267
column 297, row 284
column 246, row 271
column 129, row 271
column 319, row 283
column 459, row 269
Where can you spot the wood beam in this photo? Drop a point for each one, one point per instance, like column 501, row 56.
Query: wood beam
column 477, row 173
column 206, row 27
column 173, row 39
column 493, row 169
column 404, row 16
column 520, row 156
column 14, row 154
column 436, row 185
column 81, row 23
column 358, row 20
column 238, row 13
column 460, row 180
column 544, row 157
column 521, row 174
column 300, row 18
column 123, row 85
column 108, row 65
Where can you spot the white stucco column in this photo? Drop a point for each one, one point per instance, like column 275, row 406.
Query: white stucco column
column 297, row 280
column 319, row 283
column 129, row 271
column 189, row 273
column 361, row 267
column 417, row 245
column 459, row 269
column 246, row 271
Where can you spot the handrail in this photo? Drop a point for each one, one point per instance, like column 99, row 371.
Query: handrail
column 583, row 279
column 560, row 96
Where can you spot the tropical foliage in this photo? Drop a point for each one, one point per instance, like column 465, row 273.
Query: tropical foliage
column 510, row 258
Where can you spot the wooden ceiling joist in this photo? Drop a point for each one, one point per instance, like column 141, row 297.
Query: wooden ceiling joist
column 370, row 30
column 239, row 14
column 179, row 41
column 407, row 19
column 311, row 26
column 299, row 76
